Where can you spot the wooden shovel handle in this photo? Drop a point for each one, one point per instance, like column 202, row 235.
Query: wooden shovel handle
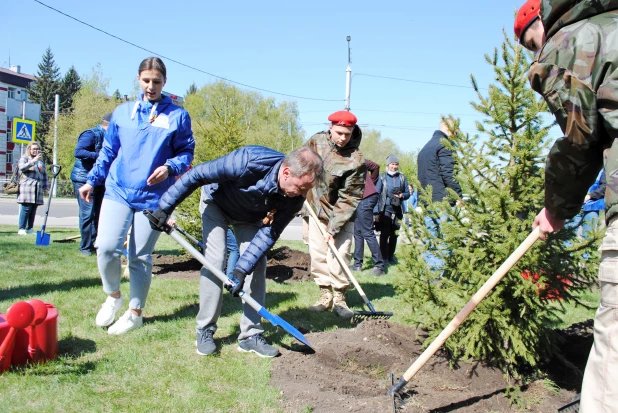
column 339, row 258
column 471, row 305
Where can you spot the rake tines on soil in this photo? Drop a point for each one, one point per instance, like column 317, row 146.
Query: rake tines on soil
column 360, row 316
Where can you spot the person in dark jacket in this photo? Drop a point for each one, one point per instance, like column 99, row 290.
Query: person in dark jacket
column 394, row 191
column 436, row 166
column 258, row 192
column 363, row 224
column 89, row 143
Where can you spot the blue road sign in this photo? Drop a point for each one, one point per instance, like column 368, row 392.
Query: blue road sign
column 23, row 130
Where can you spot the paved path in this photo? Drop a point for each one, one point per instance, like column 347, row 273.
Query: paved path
column 64, row 213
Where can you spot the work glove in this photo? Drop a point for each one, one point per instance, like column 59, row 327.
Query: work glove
column 158, row 220
column 235, row 282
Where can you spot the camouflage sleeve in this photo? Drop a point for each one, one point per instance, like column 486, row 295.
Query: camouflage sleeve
column 350, row 195
column 574, row 160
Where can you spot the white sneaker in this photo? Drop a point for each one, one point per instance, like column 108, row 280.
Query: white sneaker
column 21, row 232
column 30, row 231
column 108, row 311
column 127, row 322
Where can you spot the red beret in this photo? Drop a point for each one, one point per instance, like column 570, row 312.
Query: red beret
column 526, row 15
column 343, row 118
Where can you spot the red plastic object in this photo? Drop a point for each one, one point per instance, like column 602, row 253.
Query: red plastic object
column 40, row 314
column 47, row 337
column 4, row 331
column 18, row 317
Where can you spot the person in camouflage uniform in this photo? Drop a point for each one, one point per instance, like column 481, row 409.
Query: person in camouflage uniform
column 335, row 202
column 576, row 72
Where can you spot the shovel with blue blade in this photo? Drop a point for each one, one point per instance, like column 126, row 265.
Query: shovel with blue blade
column 274, row 319
column 42, row 238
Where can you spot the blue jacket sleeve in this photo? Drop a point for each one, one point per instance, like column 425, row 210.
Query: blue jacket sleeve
column 183, row 146
column 266, row 237
column 226, row 168
column 85, row 148
column 109, row 152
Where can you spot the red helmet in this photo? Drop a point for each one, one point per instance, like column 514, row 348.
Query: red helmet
column 526, row 15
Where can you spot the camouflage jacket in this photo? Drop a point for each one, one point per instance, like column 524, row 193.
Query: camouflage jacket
column 336, row 199
column 576, row 73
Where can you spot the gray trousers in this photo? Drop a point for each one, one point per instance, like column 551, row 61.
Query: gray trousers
column 214, row 234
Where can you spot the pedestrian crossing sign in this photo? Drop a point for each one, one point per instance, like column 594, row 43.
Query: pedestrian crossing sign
column 23, row 130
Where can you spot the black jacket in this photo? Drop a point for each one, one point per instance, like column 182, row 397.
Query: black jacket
column 435, row 168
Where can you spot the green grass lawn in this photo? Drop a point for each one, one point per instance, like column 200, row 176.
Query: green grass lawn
column 155, row 368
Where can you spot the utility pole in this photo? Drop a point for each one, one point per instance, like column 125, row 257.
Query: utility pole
column 56, row 110
column 348, row 77
column 23, row 116
column 290, row 134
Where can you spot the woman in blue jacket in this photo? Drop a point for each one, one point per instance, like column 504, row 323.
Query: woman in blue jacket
column 148, row 142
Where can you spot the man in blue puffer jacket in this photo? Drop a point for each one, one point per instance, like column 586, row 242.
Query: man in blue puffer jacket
column 258, row 192
column 89, row 144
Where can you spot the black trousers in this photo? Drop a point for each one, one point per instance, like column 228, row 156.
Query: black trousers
column 388, row 236
column 363, row 231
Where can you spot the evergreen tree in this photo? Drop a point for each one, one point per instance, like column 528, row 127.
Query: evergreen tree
column 502, row 170
column 42, row 91
column 117, row 96
column 192, row 89
column 71, row 83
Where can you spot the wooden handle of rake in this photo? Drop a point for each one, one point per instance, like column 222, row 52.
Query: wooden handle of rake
column 469, row 307
column 341, row 260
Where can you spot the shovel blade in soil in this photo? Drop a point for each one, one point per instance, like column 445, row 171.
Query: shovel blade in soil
column 278, row 321
column 42, row 238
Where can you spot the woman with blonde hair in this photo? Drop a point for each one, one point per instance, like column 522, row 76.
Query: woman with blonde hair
column 32, row 184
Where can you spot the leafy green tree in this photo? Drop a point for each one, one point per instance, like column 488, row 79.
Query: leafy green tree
column 377, row 148
column 42, row 91
column 192, row 89
column 502, row 169
column 71, row 83
column 224, row 118
column 90, row 103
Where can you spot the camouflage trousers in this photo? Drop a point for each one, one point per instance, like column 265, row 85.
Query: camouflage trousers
column 600, row 385
column 325, row 268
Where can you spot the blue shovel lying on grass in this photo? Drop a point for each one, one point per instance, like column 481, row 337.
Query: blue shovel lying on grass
column 274, row 319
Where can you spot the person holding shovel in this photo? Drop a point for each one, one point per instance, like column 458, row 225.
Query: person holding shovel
column 148, row 142
column 335, row 202
column 576, row 71
column 257, row 191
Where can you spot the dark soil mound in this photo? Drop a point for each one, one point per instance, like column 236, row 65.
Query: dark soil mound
column 350, row 373
column 284, row 265
column 288, row 265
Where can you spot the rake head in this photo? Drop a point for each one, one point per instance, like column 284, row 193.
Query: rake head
column 370, row 315
column 572, row 407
